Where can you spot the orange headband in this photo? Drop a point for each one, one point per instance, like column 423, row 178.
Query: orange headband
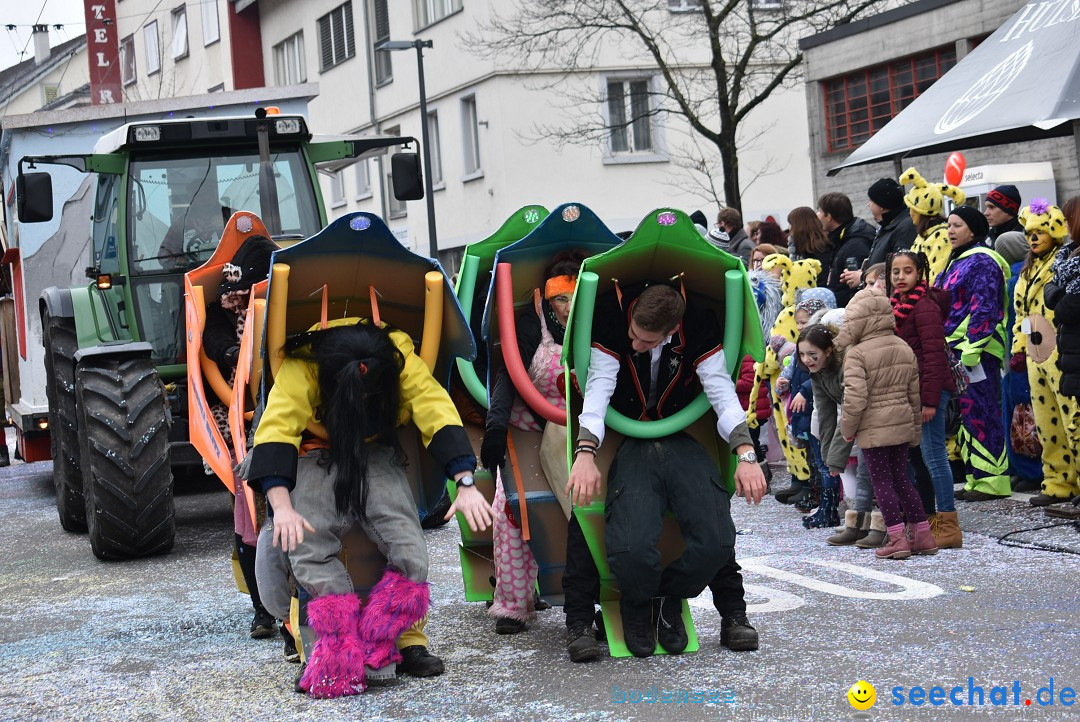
column 558, row 286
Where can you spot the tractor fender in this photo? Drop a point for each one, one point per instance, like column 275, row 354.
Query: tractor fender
column 121, row 349
column 56, row 303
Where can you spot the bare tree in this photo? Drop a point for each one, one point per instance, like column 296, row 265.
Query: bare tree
column 716, row 62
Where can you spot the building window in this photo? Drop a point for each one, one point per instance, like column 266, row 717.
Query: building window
column 49, row 93
column 127, row 60
column 153, row 51
column 337, row 189
column 684, row 6
column 363, row 181
column 860, row 104
column 179, row 33
column 427, row 12
column 211, row 30
column 384, row 71
column 289, row 65
column 629, row 116
column 336, row 44
column 435, row 148
column 470, row 129
column 766, row 5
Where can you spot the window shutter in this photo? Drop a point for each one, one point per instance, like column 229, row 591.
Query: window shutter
column 382, row 21
column 350, row 41
column 326, row 44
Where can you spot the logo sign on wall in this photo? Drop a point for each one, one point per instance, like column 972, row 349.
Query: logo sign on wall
column 983, row 92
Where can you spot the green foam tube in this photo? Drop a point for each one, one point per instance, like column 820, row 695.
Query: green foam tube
column 465, row 290
column 582, row 339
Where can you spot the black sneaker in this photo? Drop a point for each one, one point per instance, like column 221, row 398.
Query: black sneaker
column 419, row 662
column 736, row 633
column 292, row 656
column 509, row 625
column 581, row 644
column 263, row 625
column 638, row 631
column 670, row 631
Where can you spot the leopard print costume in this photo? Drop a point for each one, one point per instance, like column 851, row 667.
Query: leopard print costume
column 794, row 275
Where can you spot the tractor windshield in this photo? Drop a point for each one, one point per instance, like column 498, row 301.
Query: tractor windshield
column 178, row 206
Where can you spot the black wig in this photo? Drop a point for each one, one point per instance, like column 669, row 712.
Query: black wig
column 359, row 400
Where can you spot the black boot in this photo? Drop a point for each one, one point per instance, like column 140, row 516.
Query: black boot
column 736, row 633
column 419, row 662
column 670, row 630
column 826, row 515
column 785, row 496
column 581, row 643
column 638, row 629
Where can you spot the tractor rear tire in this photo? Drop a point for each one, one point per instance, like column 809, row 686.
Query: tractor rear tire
column 127, row 481
column 61, row 344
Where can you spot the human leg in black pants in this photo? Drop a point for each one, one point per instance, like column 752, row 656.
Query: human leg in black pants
column 729, row 598
column 262, row 626
column 581, row 590
column 924, row 483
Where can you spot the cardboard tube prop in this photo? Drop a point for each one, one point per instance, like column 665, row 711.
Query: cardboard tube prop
column 465, row 291
column 257, row 343
column 582, row 339
column 433, row 313
column 275, row 329
column 504, row 296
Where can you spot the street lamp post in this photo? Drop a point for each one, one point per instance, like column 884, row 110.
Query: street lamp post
column 391, row 45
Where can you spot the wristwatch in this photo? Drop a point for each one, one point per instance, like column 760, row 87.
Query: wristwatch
column 466, row 480
column 749, row 457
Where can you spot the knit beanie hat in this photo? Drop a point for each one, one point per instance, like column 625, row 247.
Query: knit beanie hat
column 1041, row 216
column 887, row 193
column 1007, row 198
column 825, row 296
column 974, row 219
column 926, row 198
column 1011, row 246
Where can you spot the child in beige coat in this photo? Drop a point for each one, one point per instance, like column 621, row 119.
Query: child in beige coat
column 883, row 412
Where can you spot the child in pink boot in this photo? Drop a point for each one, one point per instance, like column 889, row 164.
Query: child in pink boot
column 883, row 411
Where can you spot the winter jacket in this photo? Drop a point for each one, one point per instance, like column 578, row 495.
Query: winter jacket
column 829, row 397
column 881, row 378
column 1066, row 307
column 745, row 384
column 801, row 384
column 896, row 233
column 851, row 241
column 924, row 331
column 742, row 246
column 935, row 244
column 976, row 322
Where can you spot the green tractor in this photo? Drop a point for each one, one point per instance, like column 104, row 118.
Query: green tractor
column 114, row 377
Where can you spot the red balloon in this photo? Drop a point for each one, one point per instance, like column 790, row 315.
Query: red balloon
column 954, row 168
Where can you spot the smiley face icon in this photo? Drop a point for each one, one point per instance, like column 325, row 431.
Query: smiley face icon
column 862, row 695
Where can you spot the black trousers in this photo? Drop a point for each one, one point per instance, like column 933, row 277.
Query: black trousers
column 246, row 555
column 647, row 478
column 924, row 484
column 581, row 580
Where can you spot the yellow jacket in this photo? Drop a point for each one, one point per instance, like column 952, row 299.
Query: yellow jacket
column 294, row 400
column 1028, row 298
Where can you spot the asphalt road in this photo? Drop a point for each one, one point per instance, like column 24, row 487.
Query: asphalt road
column 166, row 638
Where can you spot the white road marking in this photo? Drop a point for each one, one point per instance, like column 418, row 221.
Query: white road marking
column 910, row 588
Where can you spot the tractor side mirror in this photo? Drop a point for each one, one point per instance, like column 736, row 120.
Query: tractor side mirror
column 408, row 179
column 35, row 197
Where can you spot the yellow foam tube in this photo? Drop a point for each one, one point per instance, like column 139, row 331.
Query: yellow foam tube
column 258, row 319
column 433, row 314
column 210, row 370
column 275, row 326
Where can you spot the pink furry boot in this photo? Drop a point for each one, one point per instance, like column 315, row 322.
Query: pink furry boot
column 394, row 605
column 336, row 667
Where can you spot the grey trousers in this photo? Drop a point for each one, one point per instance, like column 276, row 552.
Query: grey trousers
column 390, row 519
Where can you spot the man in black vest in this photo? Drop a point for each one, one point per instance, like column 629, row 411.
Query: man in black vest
column 653, row 353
